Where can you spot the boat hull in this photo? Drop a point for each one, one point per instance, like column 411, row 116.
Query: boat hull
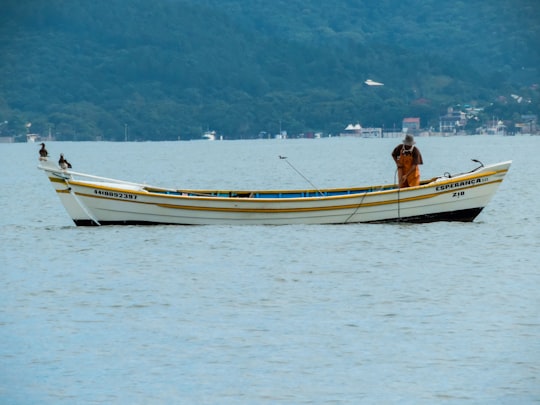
column 109, row 202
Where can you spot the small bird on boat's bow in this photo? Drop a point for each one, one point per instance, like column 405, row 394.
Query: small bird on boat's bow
column 43, row 152
column 63, row 163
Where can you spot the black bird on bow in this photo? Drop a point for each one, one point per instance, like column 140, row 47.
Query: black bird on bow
column 63, row 163
column 43, row 152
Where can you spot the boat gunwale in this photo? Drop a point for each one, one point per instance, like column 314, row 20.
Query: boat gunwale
column 114, row 185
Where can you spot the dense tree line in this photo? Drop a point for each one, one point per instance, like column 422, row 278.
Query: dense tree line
column 171, row 69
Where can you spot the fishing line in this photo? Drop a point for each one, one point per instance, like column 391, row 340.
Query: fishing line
column 398, row 183
column 297, row 171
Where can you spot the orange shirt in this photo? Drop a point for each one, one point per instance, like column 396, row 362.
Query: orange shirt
column 406, row 157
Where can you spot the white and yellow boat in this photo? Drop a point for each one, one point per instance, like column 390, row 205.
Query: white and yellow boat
column 93, row 200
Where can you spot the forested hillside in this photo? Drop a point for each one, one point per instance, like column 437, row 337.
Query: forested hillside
column 171, row 69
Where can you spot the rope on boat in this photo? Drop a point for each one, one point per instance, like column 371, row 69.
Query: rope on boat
column 81, row 204
column 358, row 206
column 398, row 183
column 84, row 208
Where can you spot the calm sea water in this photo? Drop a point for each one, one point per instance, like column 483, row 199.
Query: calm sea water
column 346, row 314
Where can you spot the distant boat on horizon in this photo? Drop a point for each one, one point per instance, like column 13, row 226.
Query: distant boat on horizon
column 356, row 130
column 496, row 128
column 32, row 138
column 209, row 135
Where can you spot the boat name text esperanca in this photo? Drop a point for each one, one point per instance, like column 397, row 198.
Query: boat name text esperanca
column 465, row 183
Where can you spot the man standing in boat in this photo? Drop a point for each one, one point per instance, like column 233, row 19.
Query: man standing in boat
column 408, row 158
